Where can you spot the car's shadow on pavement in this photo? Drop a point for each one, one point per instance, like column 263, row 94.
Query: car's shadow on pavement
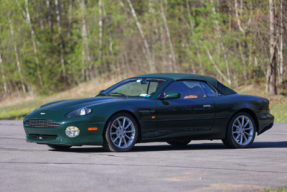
column 280, row 144
column 203, row 146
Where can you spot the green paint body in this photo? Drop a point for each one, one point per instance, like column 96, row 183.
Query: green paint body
column 174, row 118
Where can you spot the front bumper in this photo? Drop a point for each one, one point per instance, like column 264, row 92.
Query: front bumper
column 58, row 136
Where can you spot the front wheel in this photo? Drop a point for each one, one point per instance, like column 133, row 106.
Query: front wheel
column 240, row 132
column 60, row 147
column 121, row 133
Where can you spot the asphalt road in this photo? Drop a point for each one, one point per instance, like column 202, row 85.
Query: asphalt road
column 201, row 166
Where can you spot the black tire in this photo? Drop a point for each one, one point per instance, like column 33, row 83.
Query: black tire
column 178, row 143
column 60, row 147
column 229, row 140
column 109, row 145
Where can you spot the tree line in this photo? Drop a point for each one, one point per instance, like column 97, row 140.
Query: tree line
column 51, row 45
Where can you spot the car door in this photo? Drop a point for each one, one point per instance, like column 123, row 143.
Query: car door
column 193, row 111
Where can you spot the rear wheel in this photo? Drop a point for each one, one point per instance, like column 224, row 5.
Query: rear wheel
column 178, row 143
column 60, row 147
column 121, row 133
column 240, row 132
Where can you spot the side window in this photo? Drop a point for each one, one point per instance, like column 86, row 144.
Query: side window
column 187, row 89
column 209, row 91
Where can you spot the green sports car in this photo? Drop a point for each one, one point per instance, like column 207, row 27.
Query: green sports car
column 170, row 107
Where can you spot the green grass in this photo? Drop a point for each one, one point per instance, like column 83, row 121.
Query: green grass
column 281, row 189
column 14, row 114
column 20, row 110
column 279, row 110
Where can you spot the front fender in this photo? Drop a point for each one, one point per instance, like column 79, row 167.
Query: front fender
column 102, row 112
column 142, row 109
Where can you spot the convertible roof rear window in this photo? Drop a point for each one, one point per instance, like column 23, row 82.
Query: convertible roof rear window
column 224, row 90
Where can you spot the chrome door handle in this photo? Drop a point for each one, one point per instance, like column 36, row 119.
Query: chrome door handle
column 206, row 106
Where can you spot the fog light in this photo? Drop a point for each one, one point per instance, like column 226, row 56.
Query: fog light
column 72, row 131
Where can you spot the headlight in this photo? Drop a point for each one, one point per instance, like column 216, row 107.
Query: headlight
column 79, row 112
column 72, row 131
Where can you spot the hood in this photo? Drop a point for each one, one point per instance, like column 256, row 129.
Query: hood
column 65, row 106
column 69, row 105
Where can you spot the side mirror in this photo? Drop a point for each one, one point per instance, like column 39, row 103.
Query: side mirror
column 101, row 91
column 172, row 95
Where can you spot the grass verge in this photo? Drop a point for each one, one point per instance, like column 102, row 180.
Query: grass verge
column 281, row 189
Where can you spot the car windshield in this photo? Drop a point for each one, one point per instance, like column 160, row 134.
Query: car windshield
column 135, row 87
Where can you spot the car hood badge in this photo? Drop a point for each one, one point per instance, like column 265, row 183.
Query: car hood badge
column 42, row 113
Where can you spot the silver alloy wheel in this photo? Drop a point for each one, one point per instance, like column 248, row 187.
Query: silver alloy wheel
column 242, row 130
column 122, row 132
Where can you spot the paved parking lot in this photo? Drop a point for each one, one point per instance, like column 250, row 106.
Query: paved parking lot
column 200, row 166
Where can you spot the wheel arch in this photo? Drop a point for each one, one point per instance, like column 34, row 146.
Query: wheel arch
column 251, row 113
column 135, row 118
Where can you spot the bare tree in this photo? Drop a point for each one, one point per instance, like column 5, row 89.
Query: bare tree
column 100, row 32
column 60, row 37
column 149, row 58
column 28, row 18
column 162, row 37
column 281, row 39
column 215, row 65
column 16, row 54
column 86, row 50
column 220, row 43
column 49, row 14
column 3, row 76
column 173, row 61
column 237, row 18
column 271, row 87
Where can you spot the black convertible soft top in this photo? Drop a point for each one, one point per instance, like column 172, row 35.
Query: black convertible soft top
column 188, row 76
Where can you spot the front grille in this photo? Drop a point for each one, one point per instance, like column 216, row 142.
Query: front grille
column 41, row 123
column 38, row 136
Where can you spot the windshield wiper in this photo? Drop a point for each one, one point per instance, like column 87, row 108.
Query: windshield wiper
column 117, row 93
column 102, row 94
